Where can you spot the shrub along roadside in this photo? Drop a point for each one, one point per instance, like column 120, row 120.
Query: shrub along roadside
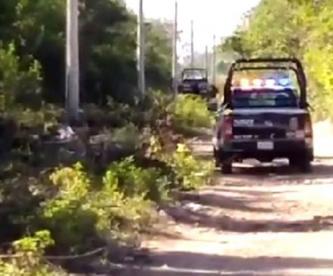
column 114, row 207
column 190, row 114
column 29, row 260
column 121, row 204
column 84, row 211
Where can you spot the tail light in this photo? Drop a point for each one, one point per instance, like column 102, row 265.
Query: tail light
column 308, row 132
column 226, row 128
column 308, row 127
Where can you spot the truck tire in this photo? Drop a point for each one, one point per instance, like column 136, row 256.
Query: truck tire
column 226, row 168
column 303, row 164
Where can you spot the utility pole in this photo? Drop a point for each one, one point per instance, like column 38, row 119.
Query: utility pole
column 206, row 65
column 192, row 44
column 214, row 61
column 174, row 50
column 72, row 61
column 141, row 50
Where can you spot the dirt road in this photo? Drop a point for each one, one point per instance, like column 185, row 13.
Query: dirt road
column 259, row 221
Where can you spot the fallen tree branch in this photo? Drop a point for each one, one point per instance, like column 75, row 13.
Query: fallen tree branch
column 58, row 258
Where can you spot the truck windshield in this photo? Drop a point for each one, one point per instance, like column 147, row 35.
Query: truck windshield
column 194, row 74
column 264, row 98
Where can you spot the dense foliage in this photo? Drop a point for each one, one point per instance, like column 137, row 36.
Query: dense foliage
column 300, row 28
column 82, row 209
column 29, row 259
column 36, row 29
column 102, row 186
column 190, row 113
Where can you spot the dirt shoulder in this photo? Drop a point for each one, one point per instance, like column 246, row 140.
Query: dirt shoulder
column 259, row 221
column 255, row 224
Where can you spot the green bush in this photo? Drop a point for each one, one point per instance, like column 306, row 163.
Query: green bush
column 132, row 180
column 28, row 260
column 127, row 135
column 120, row 218
column 17, row 84
column 20, row 198
column 191, row 172
column 66, row 213
column 82, row 214
column 45, row 117
column 191, row 112
column 157, row 106
column 83, row 211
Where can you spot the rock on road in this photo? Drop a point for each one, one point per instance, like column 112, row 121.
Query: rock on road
column 259, row 221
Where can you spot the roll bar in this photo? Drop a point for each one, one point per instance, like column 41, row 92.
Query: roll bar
column 194, row 68
column 273, row 63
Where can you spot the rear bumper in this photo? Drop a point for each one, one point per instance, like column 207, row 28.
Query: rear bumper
column 192, row 88
column 249, row 149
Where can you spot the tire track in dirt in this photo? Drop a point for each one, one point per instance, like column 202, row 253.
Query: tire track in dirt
column 262, row 220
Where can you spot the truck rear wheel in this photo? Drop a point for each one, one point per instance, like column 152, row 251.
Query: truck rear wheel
column 226, row 168
column 216, row 158
column 303, row 164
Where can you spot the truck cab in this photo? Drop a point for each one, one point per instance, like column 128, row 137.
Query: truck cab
column 264, row 115
column 195, row 81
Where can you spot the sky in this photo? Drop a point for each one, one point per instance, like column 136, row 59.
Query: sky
column 219, row 17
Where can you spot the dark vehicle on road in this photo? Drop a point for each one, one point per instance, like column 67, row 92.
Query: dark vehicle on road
column 195, row 81
column 264, row 117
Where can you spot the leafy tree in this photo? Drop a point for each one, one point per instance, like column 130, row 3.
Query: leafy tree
column 107, row 47
column 299, row 28
column 159, row 50
column 18, row 85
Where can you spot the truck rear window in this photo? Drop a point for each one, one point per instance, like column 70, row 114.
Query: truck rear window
column 265, row 88
column 264, row 98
